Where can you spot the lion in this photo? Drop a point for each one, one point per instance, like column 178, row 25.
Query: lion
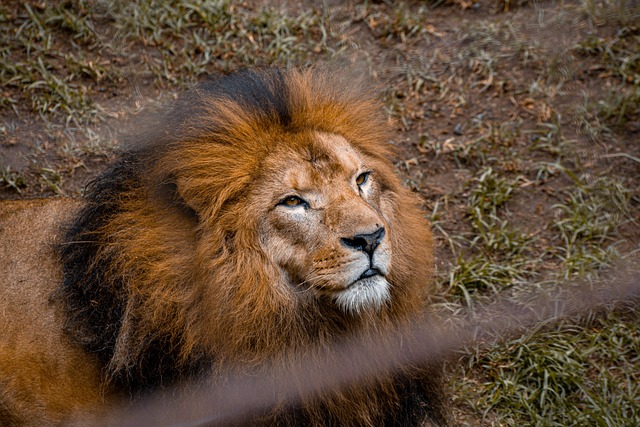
column 260, row 215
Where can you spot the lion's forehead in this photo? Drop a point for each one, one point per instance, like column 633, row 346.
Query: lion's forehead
column 340, row 150
column 327, row 158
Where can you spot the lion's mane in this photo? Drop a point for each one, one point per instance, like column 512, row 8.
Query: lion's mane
column 164, row 278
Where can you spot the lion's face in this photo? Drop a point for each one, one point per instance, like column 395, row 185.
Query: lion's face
column 325, row 221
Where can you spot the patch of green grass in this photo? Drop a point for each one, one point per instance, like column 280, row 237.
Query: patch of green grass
column 490, row 192
column 613, row 111
column 621, row 12
column 590, row 122
column 71, row 18
column 574, row 374
column 173, row 41
column 547, row 137
column 51, row 94
column 493, row 234
column 587, row 222
column 622, row 106
column 12, row 180
column 191, row 37
column 568, row 376
column 499, row 254
column 472, row 276
column 51, row 180
column 618, row 54
column 31, row 62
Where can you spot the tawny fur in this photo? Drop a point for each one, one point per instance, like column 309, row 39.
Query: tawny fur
column 45, row 377
column 180, row 263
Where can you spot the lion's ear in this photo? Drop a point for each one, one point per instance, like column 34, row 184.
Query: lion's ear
column 168, row 193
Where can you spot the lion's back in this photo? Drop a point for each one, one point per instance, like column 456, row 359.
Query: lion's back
column 28, row 270
column 41, row 372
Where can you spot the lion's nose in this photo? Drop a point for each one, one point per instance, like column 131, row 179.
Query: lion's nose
column 365, row 242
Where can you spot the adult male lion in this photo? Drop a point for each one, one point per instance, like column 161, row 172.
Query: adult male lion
column 256, row 218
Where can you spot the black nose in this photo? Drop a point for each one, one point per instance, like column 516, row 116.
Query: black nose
column 365, row 242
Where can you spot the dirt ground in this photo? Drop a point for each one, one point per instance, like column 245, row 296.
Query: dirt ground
column 517, row 121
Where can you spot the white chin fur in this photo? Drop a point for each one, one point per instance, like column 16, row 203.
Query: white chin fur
column 365, row 294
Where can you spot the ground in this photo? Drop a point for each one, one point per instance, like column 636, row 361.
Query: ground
column 517, row 121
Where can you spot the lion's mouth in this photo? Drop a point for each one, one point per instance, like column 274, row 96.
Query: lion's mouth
column 370, row 272
column 370, row 291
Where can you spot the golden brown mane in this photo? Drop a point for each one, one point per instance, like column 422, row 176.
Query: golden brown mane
column 164, row 274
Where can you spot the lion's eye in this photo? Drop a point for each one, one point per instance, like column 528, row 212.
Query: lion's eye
column 362, row 178
column 293, row 201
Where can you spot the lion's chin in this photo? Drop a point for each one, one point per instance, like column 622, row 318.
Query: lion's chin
column 370, row 293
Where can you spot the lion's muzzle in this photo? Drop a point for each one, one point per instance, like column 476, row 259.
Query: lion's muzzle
column 365, row 242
